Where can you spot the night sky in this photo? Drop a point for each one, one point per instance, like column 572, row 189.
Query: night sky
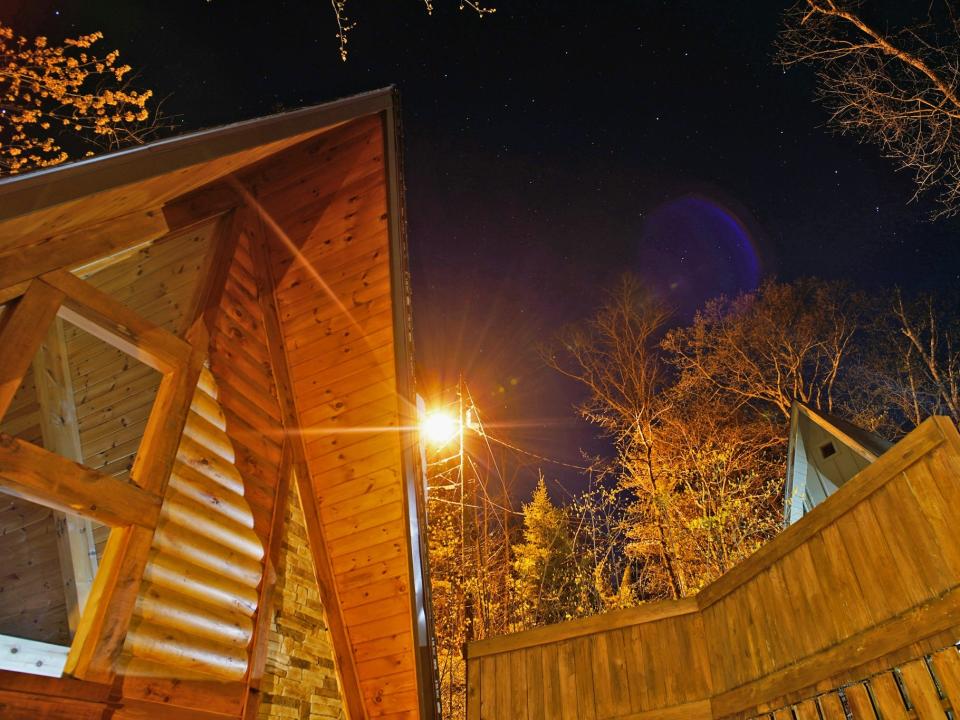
column 548, row 148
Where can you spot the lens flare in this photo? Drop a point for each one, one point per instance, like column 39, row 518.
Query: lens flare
column 438, row 428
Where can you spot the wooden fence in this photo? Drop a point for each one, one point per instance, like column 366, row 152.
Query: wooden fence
column 851, row 612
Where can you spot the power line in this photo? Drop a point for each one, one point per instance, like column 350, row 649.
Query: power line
column 538, row 457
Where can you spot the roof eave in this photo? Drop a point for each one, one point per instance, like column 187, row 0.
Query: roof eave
column 44, row 188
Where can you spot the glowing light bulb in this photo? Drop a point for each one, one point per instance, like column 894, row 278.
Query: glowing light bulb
column 439, row 428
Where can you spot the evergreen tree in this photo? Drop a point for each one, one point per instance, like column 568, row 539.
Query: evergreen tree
column 551, row 581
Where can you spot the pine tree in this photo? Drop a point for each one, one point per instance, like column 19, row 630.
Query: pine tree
column 551, row 582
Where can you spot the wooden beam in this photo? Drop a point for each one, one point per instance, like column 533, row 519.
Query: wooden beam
column 13, row 292
column 41, row 476
column 22, row 330
column 161, row 438
column 113, row 322
column 84, row 246
column 16, row 705
column 29, row 656
column 261, row 630
column 201, row 206
column 61, row 435
column 102, row 263
column 205, row 302
column 345, row 661
column 103, row 627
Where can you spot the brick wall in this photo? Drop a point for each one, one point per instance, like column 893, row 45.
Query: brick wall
column 300, row 680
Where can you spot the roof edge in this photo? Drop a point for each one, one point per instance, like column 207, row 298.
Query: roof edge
column 22, row 194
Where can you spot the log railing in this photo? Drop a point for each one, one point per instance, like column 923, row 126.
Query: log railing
column 862, row 592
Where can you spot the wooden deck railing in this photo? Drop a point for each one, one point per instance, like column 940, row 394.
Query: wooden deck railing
column 855, row 608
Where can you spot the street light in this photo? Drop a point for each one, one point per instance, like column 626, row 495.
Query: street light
column 439, row 427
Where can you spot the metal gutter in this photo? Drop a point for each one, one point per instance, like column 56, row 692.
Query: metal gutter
column 414, row 501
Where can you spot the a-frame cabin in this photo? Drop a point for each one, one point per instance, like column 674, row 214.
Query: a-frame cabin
column 209, row 494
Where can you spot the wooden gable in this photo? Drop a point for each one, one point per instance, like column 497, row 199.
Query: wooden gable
column 283, row 363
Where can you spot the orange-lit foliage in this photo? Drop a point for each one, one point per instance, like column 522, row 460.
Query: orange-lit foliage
column 51, row 92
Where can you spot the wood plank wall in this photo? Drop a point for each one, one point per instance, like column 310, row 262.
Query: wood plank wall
column 240, row 362
column 113, row 394
column 869, row 579
column 32, row 602
column 336, row 316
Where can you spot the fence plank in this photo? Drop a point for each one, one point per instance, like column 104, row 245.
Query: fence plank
column 859, row 701
column 504, row 690
column 550, row 672
column 535, row 685
column 518, row 685
column 932, row 499
column 488, row 687
column 887, row 696
column 807, row 710
column 586, row 703
column 474, row 685
column 619, row 682
column 636, row 672
column 602, row 680
column 921, row 690
column 899, row 535
column 831, row 708
column 946, row 663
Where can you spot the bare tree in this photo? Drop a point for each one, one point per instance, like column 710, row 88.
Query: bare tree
column 345, row 24
column 780, row 343
column 931, row 340
column 726, row 464
column 615, row 356
column 697, row 467
column 893, row 88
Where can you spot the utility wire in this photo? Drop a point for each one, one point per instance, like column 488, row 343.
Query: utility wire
column 486, row 494
column 534, row 455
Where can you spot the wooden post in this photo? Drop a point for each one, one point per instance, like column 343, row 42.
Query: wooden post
column 21, row 332
column 61, row 435
column 205, row 302
column 258, row 646
column 103, row 629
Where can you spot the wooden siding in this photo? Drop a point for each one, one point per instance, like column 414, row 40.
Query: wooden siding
column 867, row 580
column 92, row 212
column 333, row 297
column 113, row 392
column 182, row 655
column 32, row 601
column 240, row 362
